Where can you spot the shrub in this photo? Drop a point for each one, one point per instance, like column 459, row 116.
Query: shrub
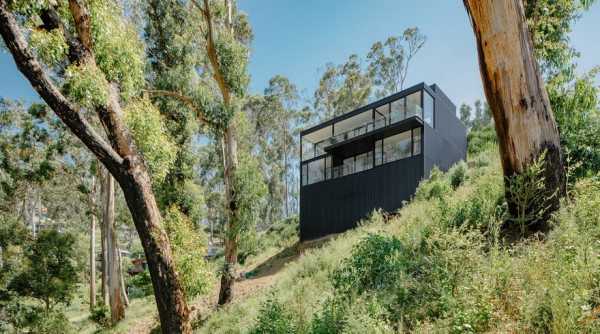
column 482, row 139
column 140, row 285
column 100, row 314
column 435, row 187
column 458, row 174
column 273, row 318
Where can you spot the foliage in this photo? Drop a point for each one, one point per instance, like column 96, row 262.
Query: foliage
column 100, row 314
column 86, row 85
column 50, row 274
column 148, row 130
column 274, row 319
column 140, row 285
column 233, row 61
column 436, row 186
column 118, row 50
column 49, row 46
column 188, row 247
column 457, row 174
column 527, row 192
column 342, row 88
column 480, row 140
column 389, row 61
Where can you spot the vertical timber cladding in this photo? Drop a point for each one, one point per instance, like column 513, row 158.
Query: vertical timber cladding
column 336, row 205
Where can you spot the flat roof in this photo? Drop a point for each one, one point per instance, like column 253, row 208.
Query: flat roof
column 375, row 104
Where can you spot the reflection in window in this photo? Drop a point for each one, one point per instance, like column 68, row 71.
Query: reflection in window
column 328, row 167
column 316, row 171
column 378, row 152
column 363, row 162
column 307, row 150
column 428, row 109
column 413, row 104
column 304, row 174
column 383, row 112
column 398, row 111
column 416, row 141
column 397, row 147
column 348, row 166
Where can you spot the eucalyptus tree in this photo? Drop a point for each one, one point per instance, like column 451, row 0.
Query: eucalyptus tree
column 84, row 60
column 389, row 61
column 342, row 88
column 518, row 99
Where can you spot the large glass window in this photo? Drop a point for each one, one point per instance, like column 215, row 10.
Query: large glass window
column 398, row 111
column 304, row 174
column 383, row 112
column 378, row 152
column 428, row 107
column 364, row 161
column 348, row 166
column 416, row 141
column 328, row 167
column 397, row 147
column 413, row 104
column 316, row 171
column 308, row 150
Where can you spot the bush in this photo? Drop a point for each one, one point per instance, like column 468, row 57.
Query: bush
column 273, row 318
column 436, row 186
column 100, row 314
column 140, row 285
column 480, row 140
column 458, row 174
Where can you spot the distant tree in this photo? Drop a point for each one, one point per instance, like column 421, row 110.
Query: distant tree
column 342, row 88
column 389, row 61
column 50, row 275
column 518, row 99
column 465, row 114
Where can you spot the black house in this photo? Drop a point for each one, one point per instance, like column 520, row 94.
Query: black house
column 374, row 157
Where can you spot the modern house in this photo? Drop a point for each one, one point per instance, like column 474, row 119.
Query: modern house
column 374, row 157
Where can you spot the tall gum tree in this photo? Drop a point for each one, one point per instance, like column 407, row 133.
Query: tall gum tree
column 119, row 155
column 517, row 97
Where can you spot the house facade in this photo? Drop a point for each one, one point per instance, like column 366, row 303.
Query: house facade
column 374, row 157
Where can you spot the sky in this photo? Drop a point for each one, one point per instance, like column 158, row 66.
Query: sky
column 296, row 38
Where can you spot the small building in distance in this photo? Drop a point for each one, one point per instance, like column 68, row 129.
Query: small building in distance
column 374, row 157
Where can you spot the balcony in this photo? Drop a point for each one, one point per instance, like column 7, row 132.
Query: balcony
column 384, row 114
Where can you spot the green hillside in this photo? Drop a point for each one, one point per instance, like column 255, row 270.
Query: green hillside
column 440, row 265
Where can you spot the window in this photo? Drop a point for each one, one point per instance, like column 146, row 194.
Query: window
column 378, row 152
column 364, row 161
column 308, row 150
column 383, row 112
column 398, row 111
column 328, row 167
column 397, row 147
column 416, row 141
column 304, row 174
column 348, row 166
column 316, row 171
column 428, row 109
column 413, row 104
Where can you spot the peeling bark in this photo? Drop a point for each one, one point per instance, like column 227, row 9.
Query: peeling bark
column 517, row 96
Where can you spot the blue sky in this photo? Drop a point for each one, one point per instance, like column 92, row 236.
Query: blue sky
column 297, row 38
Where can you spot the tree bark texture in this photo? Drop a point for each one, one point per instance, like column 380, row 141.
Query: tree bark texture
column 122, row 161
column 116, row 303
column 93, row 246
column 516, row 94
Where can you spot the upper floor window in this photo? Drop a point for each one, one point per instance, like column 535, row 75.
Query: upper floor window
column 413, row 104
column 428, row 107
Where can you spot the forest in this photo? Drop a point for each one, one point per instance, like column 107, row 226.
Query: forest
column 149, row 190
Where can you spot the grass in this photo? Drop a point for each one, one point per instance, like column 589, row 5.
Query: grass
column 454, row 273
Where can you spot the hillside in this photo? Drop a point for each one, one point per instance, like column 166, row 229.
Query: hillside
column 439, row 265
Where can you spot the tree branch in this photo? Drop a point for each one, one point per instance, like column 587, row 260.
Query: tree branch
column 32, row 70
column 185, row 99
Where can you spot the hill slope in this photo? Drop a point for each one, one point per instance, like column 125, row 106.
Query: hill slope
column 439, row 266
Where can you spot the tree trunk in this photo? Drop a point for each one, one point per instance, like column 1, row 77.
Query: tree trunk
column 123, row 162
column 117, row 307
column 93, row 246
column 123, row 289
column 231, row 227
column 517, row 97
